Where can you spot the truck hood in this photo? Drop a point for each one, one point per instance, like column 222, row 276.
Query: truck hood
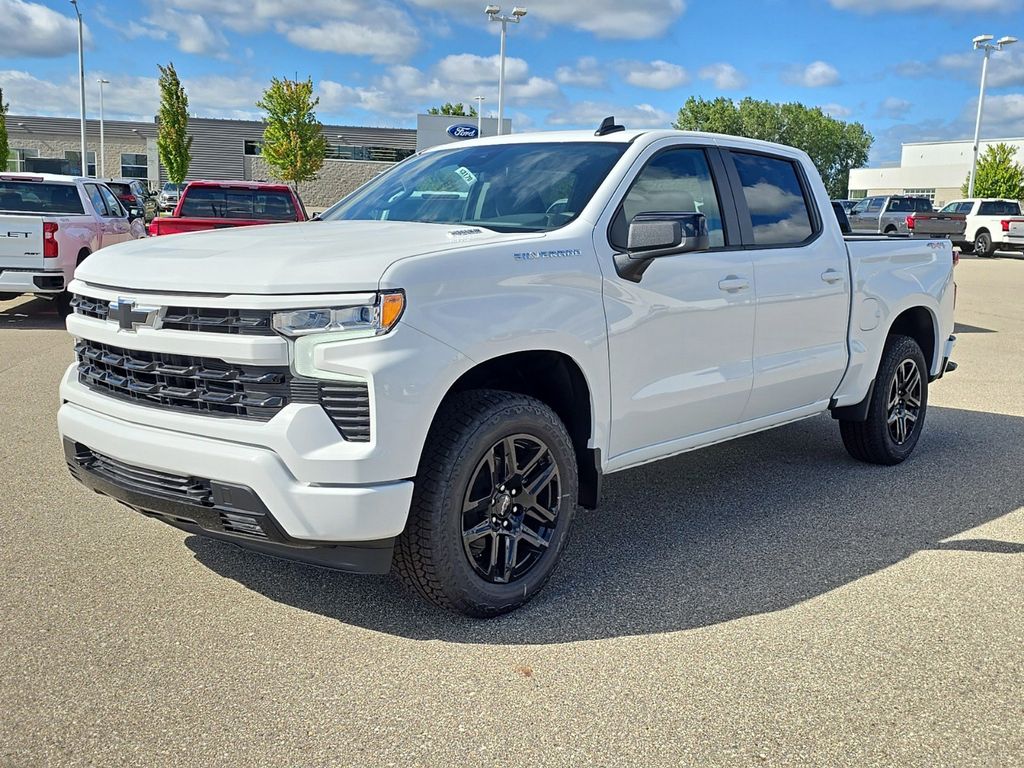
column 307, row 257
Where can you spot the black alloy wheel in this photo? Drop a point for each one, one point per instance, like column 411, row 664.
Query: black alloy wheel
column 903, row 406
column 510, row 509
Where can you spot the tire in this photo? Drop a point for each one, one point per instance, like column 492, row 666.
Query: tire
column 983, row 245
column 457, row 559
column 875, row 440
column 9, row 296
column 62, row 301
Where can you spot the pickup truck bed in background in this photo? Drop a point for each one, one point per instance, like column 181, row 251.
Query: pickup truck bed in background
column 208, row 205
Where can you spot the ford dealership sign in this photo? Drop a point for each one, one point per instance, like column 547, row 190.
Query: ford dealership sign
column 463, row 131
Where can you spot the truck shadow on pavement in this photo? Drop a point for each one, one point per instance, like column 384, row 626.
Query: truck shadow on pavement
column 31, row 314
column 744, row 528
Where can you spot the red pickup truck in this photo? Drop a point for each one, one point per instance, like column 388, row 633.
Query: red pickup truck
column 218, row 204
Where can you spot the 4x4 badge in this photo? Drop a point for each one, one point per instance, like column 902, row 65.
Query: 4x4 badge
column 128, row 316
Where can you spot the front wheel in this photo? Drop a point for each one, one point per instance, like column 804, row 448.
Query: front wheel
column 495, row 498
column 897, row 409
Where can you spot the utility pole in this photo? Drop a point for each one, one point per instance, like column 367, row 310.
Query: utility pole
column 982, row 42
column 101, row 172
column 493, row 13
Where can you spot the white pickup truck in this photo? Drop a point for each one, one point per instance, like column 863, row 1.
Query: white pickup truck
column 438, row 371
column 49, row 224
column 987, row 227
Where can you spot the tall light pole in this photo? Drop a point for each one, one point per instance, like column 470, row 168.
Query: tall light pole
column 494, row 14
column 479, row 115
column 81, row 83
column 101, row 171
column 982, row 42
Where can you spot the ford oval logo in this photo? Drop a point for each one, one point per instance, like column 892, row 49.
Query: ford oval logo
column 462, row 131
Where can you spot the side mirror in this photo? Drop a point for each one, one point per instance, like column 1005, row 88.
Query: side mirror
column 654, row 235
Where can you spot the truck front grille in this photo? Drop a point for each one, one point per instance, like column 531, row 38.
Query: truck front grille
column 243, row 322
column 183, row 382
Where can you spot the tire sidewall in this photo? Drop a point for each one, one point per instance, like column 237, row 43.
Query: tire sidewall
column 531, row 418
column 983, row 245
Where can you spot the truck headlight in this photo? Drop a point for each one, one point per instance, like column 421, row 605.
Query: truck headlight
column 376, row 317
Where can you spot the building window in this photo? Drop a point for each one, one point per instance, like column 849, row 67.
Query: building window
column 858, row 194
column 134, row 166
column 376, row 154
column 252, row 147
column 929, row 193
column 16, row 158
column 75, row 159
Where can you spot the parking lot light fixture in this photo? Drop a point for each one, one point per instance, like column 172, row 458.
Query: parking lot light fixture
column 101, row 171
column 479, row 115
column 83, row 162
column 494, row 14
column 982, row 42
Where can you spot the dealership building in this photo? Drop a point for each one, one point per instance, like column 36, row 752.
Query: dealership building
column 226, row 149
column 933, row 169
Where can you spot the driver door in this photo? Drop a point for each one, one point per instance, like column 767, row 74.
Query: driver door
column 680, row 340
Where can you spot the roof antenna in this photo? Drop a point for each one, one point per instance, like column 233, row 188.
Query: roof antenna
column 608, row 126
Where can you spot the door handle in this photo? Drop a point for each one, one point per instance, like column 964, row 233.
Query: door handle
column 832, row 276
column 733, row 283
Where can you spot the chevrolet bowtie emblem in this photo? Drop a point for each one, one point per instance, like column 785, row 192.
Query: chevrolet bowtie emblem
column 128, row 316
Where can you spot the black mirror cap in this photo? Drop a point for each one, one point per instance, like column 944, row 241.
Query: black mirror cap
column 654, row 235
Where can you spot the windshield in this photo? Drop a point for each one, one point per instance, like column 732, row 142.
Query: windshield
column 173, row 187
column 505, row 187
column 36, row 197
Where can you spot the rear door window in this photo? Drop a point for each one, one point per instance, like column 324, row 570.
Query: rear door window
column 114, row 209
column 96, row 198
column 875, row 205
column 775, row 198
column 999, row 208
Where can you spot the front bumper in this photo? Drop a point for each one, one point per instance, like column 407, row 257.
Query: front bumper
column 303, row 513
column 30, row 281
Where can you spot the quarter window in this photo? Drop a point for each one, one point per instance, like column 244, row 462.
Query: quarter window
column 775, row 199
column 676, row 181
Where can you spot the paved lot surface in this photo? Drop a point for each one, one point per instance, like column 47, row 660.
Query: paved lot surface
column 765, row 602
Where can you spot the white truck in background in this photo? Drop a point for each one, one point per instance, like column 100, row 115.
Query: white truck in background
column 438, row 371
column 987, row 228
column 49, row 224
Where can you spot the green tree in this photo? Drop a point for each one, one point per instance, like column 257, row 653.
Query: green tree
column 834, row 146
column 293, row 141
column 998, row 174
column 5, row 146
column 457, row 110
column 173, row 143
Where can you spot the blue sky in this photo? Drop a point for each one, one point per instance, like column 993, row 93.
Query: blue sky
column 904, row 68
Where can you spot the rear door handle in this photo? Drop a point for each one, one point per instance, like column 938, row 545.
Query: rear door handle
column 734, row 283
column 832, row 276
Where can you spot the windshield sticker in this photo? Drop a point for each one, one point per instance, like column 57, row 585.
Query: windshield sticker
column 534, row 255
column 466, row 175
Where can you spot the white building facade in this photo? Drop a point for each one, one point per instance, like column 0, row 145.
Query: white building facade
column 933, row 169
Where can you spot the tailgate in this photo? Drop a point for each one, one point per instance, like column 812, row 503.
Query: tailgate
column 21, row 242
column 173, row 225
column 1016, row 231
column 943, row 224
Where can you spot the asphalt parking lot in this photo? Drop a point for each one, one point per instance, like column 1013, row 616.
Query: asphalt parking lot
column 764, row 602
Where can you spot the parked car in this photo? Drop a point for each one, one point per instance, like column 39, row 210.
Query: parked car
column 886, row 214
column 984, row 232
column 49, row 224
column 167, row 199
column 220, row 204
column 436, row 380
column 135, row 197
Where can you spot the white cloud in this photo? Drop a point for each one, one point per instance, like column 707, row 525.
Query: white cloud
column 817, row 74
column 194, row 33
column 1005, row 68
column 31, row 29
column 471, row 69
column 255, row 15
column 585, row 73
column 385, row 43
column 589, row 114
column 836, row 110
column 725, row 76
column 658, row 75
column 613, row 19
column 1003, row 116
column 894, row 107
column 888, row 6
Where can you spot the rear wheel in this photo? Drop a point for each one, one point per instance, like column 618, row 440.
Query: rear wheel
column 983, row 245
column 898, row 405
column 494, row 501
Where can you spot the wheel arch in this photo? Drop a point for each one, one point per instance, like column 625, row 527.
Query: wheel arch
column 556, row 379
column 920, row 324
